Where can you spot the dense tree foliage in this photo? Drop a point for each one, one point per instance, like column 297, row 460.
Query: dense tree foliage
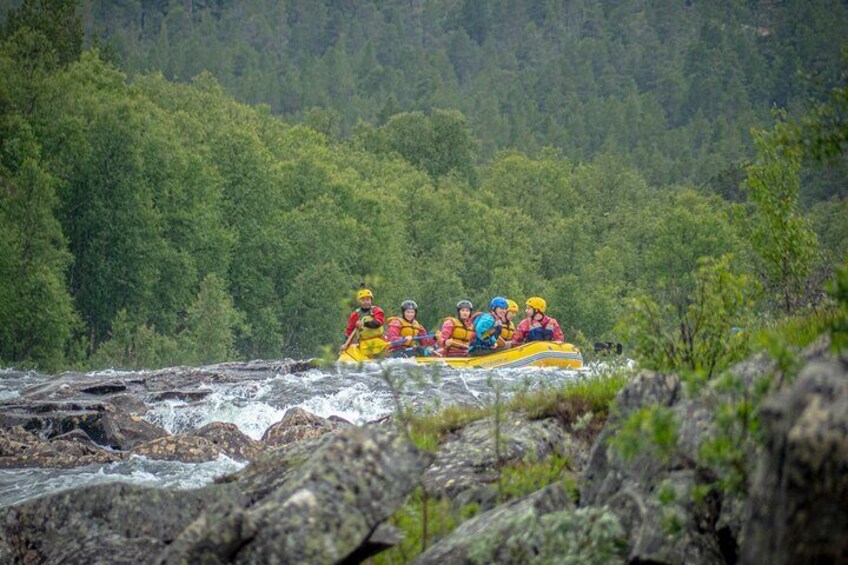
column 671, row 87
column 148, row 221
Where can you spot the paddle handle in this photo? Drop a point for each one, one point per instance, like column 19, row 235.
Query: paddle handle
column 349, row 339
column 402, row 340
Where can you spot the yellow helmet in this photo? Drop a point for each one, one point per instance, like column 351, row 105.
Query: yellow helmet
column 537, row 303
column 513, row 307
column 364, row 293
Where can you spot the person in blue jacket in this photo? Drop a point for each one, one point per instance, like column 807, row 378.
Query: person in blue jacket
column 487, row 327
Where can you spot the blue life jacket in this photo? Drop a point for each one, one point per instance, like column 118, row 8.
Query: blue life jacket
column 540, row 333
column 485, row 332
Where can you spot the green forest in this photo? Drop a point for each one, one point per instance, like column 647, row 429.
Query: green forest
column 194, row 181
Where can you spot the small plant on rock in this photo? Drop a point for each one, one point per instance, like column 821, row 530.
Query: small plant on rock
column 583, row 536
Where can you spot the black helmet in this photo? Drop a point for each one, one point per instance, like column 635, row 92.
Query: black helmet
column 464, row 304
column 408, row 305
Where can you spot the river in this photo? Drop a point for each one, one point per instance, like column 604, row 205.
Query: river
column 253, row 396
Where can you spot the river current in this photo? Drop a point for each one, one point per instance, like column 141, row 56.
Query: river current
column 255, row 396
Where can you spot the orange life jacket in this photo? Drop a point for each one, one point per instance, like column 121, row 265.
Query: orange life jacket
column 507, row 330
column 461, row 334
column 407, row 329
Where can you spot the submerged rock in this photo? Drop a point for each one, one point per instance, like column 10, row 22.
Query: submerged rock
column 98, row 389
column 184, row 395
column 799, row 498
column 185, row 448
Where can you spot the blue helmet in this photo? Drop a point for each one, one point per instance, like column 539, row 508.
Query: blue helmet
column 498, row 302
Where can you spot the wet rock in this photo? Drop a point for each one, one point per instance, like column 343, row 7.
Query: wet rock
column 258, row 365
column 230, row 440
column 78, row 436
column 19, row 448
column 469, row 460
column 50, row 419
column 184, row 395
column 76, row 386
column 799, row 495
column 297, row 425
column 499, row 523
column 16, row 440
column 124, row 431
column 111, row 523
column 127, row 404
column 63, row 453
column 339, row 420
column 188, row 449
column 99, row 389
column 323, row 511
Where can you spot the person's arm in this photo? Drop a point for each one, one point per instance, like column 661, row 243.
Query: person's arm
column 518, row 336
column 393, row 331
column 378, row 315
column 426, row 342
column 444, row 335
column 558, row 335
column 351, row 323
column 377, row 319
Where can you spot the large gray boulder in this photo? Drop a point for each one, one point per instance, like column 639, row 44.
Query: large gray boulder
column 651, row 495
column 322, row 512
column 467, row 465
column 113, row 523
column 541, row 528
column 799, row 495
column 321, row 502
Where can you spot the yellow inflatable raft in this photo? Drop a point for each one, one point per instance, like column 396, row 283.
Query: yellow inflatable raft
column 533, row 354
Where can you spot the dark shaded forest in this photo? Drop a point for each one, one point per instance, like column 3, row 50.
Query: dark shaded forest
column 670, row 87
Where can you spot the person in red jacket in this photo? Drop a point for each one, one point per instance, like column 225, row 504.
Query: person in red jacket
column 457, row 333
column 365, row 325
column 406, row 328
column 537, row 326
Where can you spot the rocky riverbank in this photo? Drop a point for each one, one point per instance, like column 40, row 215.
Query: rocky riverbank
column 321, row 490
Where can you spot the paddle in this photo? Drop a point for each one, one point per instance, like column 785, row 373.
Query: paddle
column 402, row 340
column 349, row 339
